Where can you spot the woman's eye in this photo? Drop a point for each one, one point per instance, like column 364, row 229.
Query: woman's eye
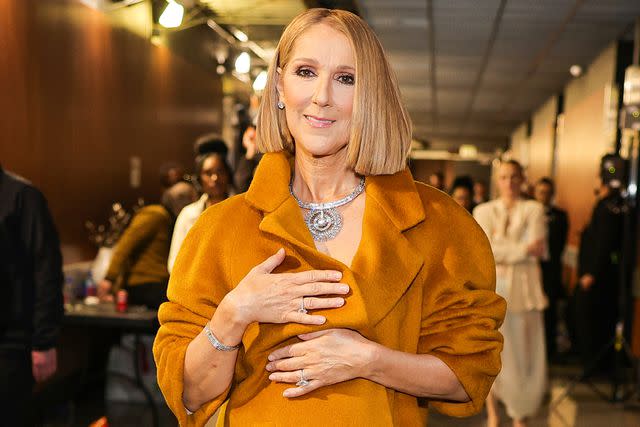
column 347, row 79
column 304, row 72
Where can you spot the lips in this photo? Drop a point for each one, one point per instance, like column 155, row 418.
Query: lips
column 318, row 122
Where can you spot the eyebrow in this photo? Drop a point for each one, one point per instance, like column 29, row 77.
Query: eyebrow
column 339, row 67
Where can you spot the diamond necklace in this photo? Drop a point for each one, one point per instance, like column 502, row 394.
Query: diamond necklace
column 323, row 219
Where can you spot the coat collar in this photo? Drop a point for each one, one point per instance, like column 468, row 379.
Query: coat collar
column 386, row 262
column 396, row 194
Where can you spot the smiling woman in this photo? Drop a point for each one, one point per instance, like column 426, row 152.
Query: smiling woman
column 336, row 290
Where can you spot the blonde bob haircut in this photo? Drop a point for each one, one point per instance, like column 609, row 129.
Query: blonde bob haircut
column 380, row 137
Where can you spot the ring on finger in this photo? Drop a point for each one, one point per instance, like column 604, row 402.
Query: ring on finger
column 302, row 309
column 303, row 382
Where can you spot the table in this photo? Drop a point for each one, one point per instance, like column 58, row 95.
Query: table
column 137, row 320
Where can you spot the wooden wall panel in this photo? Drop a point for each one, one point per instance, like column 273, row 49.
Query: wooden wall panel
column 80, row 97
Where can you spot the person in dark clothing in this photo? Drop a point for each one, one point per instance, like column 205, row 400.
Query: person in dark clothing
column 462, row 192
column 598, row 272
column 32, row 305
column 248, row 161
column 557, row 229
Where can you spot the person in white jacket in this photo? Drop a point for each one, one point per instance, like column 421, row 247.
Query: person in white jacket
column 516, row 229
column 213, row 175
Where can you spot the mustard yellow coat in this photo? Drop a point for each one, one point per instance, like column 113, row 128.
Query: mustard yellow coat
column 422, row 281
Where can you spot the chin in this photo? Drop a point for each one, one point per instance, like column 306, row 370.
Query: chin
column 321, row 147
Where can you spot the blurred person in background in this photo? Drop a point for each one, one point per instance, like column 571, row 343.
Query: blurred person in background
column 31, row 308
column 557, row 229
column 480, row 193
column 436, row 180
column 213, row 176
column 248, row 161
column 462, row 192
column 596, row 295
column 140, row 255
column 170, row 173
column 517, row 232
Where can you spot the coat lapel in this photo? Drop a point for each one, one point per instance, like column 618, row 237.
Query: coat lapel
column 385, row 264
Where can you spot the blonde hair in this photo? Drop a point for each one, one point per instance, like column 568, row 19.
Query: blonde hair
column 380, row 125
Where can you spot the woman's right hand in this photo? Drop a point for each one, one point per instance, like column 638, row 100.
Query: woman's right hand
column 276, row 298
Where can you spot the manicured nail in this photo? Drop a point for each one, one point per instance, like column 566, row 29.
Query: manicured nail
column 271, row 377
column 337, row 275
column 287, row 393
column 271, row 358
column 340, row 302
column 269, row 367
column 344, row 288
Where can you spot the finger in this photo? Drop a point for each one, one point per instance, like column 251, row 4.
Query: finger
column 313, row 335
column 305, row 319
column 300, row 391
column 268, row 265
column 285, row 377
column 315, row 276
column 323, row 288
column 286, row 365
column 311, row 303
column 292, row 350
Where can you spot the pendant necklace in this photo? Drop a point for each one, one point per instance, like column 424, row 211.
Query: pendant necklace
column 323, row 219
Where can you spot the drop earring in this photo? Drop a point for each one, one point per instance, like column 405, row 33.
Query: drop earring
column 280, row 105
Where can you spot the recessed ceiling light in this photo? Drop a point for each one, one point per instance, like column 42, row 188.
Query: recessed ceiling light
column 575, row 70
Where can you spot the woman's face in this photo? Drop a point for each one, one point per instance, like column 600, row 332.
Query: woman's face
column 214, row 177
column 509, row 180
column 317, row 88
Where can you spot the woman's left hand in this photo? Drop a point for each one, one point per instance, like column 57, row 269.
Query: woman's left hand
column 327, row 357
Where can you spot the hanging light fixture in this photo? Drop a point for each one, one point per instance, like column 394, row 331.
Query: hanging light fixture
column 243, row 63
column 172, row 15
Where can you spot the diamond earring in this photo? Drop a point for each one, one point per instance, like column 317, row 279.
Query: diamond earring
column 281, row 105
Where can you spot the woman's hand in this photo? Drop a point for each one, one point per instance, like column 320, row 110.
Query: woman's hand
column 536, row 249
column 278, row 298
column 327, row 357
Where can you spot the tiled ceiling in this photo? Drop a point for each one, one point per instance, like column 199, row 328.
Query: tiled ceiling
column 471, row 70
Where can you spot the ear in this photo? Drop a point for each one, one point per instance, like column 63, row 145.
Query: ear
column 279, row 85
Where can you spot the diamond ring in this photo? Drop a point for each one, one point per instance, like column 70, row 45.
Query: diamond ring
column 303, row 381
column 302, row 309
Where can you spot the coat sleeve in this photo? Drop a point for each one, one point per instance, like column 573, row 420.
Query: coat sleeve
column 462, row 314
column 142, row 229
column 199, row 281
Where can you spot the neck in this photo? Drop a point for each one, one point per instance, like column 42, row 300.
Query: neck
column 509, row 201
column 323, row 179
column 213, row 200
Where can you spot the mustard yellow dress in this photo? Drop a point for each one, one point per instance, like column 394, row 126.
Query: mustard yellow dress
column 422, row 281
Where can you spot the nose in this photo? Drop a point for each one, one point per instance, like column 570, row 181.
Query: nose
column 322, row 93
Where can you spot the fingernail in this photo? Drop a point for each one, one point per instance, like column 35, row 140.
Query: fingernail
column 337, row 275
column 271, row 377
column 344, row 288
column 341, row 302
column 321, row 320
column 271, row 358
column 286, row 393
column 269, row 367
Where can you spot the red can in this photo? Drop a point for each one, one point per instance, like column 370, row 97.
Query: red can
column 121, row 300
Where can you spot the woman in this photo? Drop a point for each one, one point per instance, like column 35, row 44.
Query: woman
column 517, row 230
column 212, row 175
column 365, row 313
column 141, row 252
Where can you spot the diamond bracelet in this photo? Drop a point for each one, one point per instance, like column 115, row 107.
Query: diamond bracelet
column 216, row 343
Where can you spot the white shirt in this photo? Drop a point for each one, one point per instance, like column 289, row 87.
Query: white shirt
column 188, row 216
column 518, row 275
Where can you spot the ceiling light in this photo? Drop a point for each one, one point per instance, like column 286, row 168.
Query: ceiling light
column 240, row 35
column 575, row 70
column 172, row 15
column 260, row 82
column 243, row 63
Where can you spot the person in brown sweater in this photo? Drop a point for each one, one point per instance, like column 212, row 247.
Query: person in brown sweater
column 142, row 251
